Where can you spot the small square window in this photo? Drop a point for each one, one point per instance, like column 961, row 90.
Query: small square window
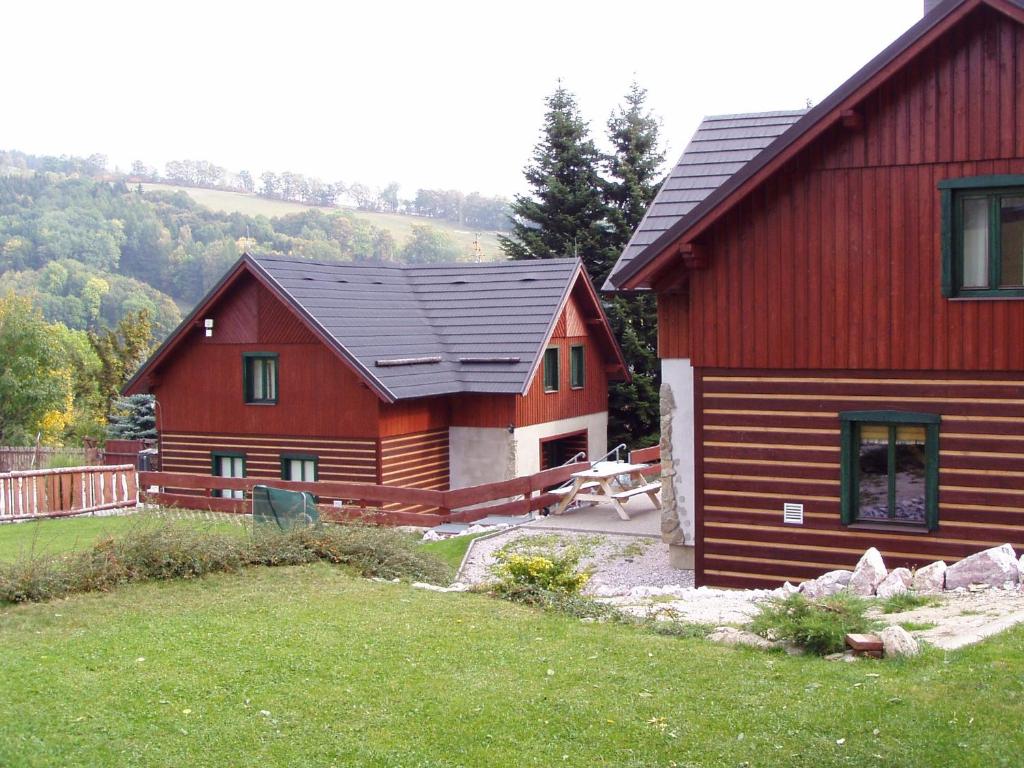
column 551, row 369
column 228, row 464
column 983, row 236
column 889, row 468
column 259, row 376
column 576, row 367
column 299, row 469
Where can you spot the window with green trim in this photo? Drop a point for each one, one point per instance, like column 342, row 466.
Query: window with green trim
column 228, row 464
column 889, row 468
column 551, row 369
column 299, row 468
column 259, row 377
column 983, row 236
column 576, row 367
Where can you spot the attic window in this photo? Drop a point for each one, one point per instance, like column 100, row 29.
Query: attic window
column 474, row 360
column 397, row 361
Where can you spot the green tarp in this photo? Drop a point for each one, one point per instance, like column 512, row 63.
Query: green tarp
column 286, row 509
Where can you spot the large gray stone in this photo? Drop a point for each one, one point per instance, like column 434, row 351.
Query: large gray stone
column 832, row 582
column 869, row 573
column 993, row 566
column 733, row 636
column 931, row 578
column 896, row 583
column 896, row 641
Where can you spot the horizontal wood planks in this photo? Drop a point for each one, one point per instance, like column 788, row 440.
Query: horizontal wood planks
column 416, row 461
column 339, row 459
column 835, row 262
column 769, row 437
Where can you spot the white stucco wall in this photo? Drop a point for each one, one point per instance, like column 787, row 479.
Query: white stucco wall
column 527, row 439
column 677, row 373
column 480, row 455
column 487, row 455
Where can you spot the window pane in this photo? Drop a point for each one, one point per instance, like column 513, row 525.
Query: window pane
column 551, row 369
column 975, row 243
column 1011, row 242
column 257, row 378
column 576, row 362
column 270, row 383
column 910, row 475
column 873, row 472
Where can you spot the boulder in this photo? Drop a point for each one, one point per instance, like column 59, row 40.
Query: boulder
column 931, row 578
column 898, row 642
column 734, row 636
column 832, row 582
column 869, row 573
column 896, row 583
column 992, row 566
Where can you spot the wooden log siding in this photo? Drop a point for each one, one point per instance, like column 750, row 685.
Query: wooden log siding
column 418, row 460
column 769, row 437
column 67, row 491
column 346, row 459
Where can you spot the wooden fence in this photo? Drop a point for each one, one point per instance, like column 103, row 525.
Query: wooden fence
column 64, row 492
column 363, row 500
column 20, row 459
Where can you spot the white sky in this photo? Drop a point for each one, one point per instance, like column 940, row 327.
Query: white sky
column 431, row 94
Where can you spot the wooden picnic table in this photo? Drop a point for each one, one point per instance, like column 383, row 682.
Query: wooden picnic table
column 597, row 485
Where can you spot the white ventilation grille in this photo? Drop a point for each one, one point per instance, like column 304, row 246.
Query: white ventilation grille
column 793, row 514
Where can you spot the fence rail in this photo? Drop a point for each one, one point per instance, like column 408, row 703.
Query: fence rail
column 515, row 497
column 64, row 492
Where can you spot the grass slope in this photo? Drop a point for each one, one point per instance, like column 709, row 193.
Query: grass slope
column 57, row 536
column 398, row 225
column 308, row 666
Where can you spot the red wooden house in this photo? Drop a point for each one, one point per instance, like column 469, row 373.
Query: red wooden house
column 841, row 310
column 437, row 377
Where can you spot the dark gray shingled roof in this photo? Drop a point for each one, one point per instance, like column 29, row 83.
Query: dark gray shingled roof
column 423, row 330
column 721, row 146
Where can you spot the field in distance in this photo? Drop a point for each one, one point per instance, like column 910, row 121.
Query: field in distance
column 400, row 226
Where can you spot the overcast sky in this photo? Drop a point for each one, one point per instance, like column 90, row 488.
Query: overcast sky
column 430, row 94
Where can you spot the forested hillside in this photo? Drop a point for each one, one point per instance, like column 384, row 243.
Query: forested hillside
column 89, row 251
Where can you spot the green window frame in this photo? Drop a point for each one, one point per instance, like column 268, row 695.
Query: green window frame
column 983, row 236
column 260, row 377
column 551, row 372
column 235, row 462
column 576, row 360
column 887, row 430
column 307, row 464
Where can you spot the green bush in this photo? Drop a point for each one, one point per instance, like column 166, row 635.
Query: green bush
column 175, row 551
column 549, row 573
column 819, row 625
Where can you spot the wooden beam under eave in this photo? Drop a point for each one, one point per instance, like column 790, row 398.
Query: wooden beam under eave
column 695, row 255
column 852, row 119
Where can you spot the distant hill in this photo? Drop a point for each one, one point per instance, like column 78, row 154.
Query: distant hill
column 400, row 226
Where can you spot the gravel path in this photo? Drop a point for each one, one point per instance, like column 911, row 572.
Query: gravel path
column 619, row 563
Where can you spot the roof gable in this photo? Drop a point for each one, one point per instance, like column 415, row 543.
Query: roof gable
column 637, row 271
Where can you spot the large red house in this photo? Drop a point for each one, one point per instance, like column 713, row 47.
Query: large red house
column 841, row 313
column 439, row 376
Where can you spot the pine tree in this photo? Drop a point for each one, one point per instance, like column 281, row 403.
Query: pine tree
column 565, row 214
column 634, row 177
column 133, row 418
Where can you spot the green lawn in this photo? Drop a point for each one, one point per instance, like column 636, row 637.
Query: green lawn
column 398, row 225
column 451, row 550
column 308, row 666
column 51, row 537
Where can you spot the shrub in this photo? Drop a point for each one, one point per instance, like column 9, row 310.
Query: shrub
column 551, row 573
column 905, row 601
column 176, row 551
column 820, row 625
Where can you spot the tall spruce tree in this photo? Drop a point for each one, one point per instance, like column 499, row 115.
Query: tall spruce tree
column 634, row 172
column 565, row 213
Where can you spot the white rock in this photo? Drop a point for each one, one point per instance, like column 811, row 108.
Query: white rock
column 458, row 586
column 733, row 636
column 435, row 588
column 992, row 566
column 931, row 578
column 896, row 583
column 869, row 573
column 809, row 589
column 784, row 590
column 896, row 641
column 432, row 535
column 607, row 590
column 832, row 582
